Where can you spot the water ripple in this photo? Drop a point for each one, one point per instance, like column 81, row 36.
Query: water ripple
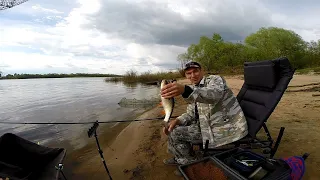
column 62, row 100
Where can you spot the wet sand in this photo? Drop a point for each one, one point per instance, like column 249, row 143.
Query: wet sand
column 136, row 150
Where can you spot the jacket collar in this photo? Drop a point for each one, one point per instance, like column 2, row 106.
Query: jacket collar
column 202, row 82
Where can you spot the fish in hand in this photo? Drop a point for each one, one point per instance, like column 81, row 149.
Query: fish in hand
column 168, row 104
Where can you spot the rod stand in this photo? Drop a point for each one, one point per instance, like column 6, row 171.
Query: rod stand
column 93, row 131
column 59, row 168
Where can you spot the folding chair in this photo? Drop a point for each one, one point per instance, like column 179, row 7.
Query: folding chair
column 264, row 84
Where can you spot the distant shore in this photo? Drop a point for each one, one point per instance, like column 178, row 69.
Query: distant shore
column 146, row 78
column 55, row 75
column 131, row 77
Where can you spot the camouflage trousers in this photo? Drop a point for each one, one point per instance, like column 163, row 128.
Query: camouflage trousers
column 179, row 142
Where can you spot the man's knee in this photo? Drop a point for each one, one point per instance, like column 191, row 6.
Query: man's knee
column 174, row 134
column 179, row 133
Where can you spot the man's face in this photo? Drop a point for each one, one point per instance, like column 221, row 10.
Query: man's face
column 194, row 75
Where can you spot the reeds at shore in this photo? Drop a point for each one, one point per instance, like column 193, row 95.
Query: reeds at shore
column 147, row 77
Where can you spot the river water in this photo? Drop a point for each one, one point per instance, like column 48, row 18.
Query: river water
column 65, row 100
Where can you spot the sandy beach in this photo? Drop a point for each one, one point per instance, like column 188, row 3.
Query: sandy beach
column 136, row 150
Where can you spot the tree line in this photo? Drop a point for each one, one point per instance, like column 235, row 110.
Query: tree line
column 53, row 75
column 218, row 55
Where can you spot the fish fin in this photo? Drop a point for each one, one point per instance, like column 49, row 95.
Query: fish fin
column 163, row 112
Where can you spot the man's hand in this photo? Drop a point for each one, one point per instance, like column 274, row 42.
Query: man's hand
column 172, row 89
column 171, row 126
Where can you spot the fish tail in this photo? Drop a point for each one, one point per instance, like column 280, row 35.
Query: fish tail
column 166, row 125
column 167, row 117
column 170, row 114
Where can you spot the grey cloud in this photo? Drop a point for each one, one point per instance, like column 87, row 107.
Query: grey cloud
column 151, row 22
column 165, row 64
column 63, row 6
column 99, row 56
column 162, row 64
column 142, row 61
column 70, row 65
column 4, row 66
column 291, row 6
column 168, row 66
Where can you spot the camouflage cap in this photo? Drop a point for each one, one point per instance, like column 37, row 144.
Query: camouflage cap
column 191, row 64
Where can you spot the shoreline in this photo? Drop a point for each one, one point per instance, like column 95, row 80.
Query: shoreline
column 138, row 148
column 126, row 149
column 117, row 149
column 56, row 77
column 107, row 134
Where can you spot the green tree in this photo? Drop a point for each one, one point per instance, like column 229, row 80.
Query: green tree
column 267, row 43
column 276, row 42
column 313, row 53
column 207, row 51
column 183, row 59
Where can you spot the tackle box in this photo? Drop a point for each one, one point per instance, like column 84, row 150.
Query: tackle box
column 237, row 164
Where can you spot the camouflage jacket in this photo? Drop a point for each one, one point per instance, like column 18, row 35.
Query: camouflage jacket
column 220, row 115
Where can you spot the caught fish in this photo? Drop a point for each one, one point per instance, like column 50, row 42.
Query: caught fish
column 168, row 104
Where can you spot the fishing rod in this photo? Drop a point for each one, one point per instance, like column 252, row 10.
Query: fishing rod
column 93, row 132
column 92, row 122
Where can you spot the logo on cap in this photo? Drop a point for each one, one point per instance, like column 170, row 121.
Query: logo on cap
column 192, row 64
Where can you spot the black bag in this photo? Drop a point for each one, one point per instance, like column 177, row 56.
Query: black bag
column 21, row 159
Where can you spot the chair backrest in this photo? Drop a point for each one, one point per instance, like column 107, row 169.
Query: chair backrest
column 264, row 84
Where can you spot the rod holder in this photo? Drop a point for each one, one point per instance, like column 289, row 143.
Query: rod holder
column 93, row 129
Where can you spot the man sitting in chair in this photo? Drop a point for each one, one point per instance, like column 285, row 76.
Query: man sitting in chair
column 213, row 114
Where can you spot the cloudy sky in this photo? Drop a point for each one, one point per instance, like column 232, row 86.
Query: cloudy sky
column 99, row 36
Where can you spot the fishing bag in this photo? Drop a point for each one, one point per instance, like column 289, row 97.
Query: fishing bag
column 240, row 164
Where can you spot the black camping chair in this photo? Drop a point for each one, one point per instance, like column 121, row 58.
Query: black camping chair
column 22, row 159
column 264, row 84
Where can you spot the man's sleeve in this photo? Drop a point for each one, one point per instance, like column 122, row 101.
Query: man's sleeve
column 186, row 118
column 214, row 91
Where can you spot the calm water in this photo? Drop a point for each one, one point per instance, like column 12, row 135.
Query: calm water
column 64, row 100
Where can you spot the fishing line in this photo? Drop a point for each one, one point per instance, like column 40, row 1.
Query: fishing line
column 91, row 132
column 77, row 123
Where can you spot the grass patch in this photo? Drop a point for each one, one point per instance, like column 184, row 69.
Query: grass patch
column 147, row 77
column 227, row 71
column 315, row 70
column 132, row 76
